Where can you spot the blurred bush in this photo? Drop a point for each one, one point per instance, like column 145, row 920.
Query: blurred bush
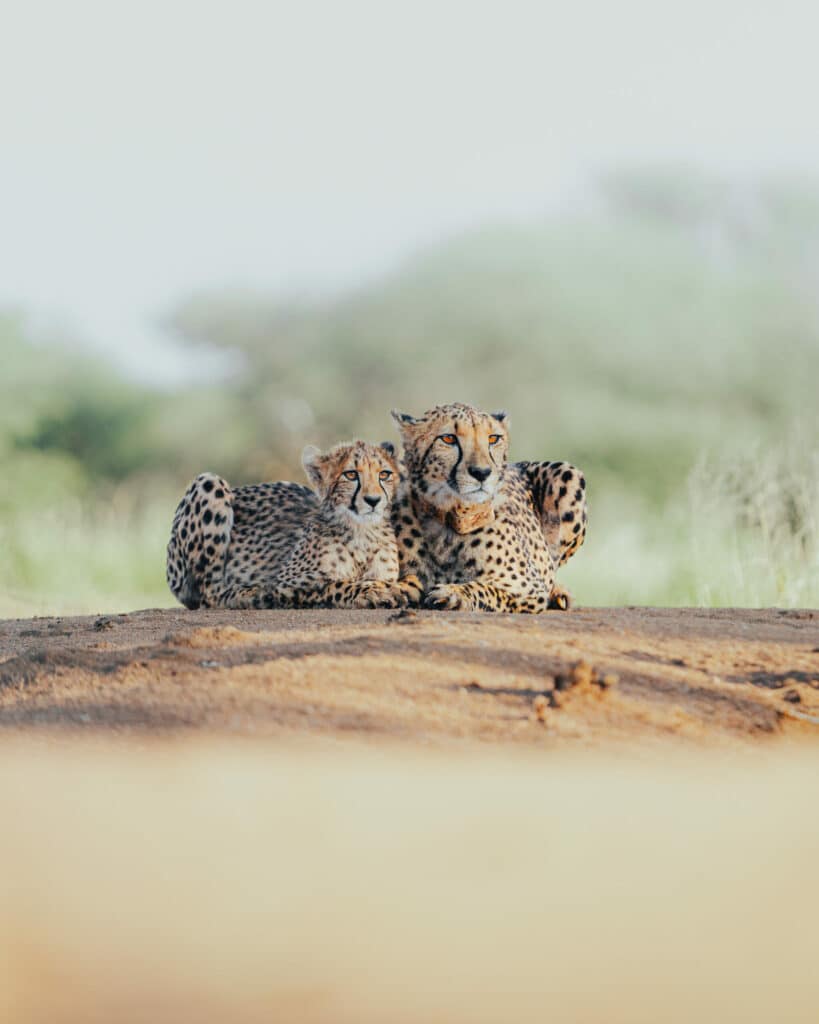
column 665, row 337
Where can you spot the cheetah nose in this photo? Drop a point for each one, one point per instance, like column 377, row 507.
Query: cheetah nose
column 371, row 500
column 479, row 472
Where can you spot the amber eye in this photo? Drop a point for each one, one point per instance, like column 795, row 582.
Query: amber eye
column 449, row 438
column 494, row 438
column 351, row 474
column 385, row 474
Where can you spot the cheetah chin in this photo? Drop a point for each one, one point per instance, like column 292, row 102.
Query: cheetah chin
column 480, row 496
column 365, row 519
column 446, row 498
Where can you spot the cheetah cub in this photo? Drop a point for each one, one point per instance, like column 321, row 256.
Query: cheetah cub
column 347, row 556
column 282, row 545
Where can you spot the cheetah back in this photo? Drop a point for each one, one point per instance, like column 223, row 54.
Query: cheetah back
column 269, row 520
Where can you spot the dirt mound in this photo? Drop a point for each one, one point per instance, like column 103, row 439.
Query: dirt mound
column 605, row 675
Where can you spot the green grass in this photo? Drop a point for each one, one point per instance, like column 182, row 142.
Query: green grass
column 85, row 558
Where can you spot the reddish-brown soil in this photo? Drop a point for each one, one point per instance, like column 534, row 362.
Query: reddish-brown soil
column 618, row 674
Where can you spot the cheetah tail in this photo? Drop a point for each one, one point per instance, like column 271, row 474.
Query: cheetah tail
column 200, row 537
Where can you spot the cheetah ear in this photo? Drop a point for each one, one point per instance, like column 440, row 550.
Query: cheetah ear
column 313, row 462
column 403, row 419
column 501, row 416
column 388, row 447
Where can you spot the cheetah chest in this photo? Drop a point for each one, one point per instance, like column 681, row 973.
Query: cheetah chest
column 513, row 546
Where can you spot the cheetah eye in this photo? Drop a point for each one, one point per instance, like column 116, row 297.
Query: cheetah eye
column 351, row 474
column 494, row 438
column 385, row 474
column 449, row 438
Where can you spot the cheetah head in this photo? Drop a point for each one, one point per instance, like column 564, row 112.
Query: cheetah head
column 455, row 454
column 355, row 481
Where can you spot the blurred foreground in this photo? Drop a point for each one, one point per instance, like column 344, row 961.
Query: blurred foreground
column 318, row 883
column 603, row 814
column 665, row 338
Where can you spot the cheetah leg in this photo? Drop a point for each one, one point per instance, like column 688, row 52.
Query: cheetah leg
column 306, row 593
column 265, row 595
column 200, row 537
column 559, row 493
column 240, row 597
column 477, row 596
column 413, row 587
column 346, row 594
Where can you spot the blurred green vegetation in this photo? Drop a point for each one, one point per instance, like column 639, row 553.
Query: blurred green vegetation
column 665, row 337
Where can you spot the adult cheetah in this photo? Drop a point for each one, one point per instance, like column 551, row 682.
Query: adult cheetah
column 281, row 544
column 480, row 533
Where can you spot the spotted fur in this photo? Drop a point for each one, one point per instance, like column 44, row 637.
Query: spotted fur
column 456, row 459
column 284, row 545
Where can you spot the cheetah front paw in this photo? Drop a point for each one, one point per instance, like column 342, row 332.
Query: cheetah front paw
column 378, row 594
column 447, row 597
column 281, row 597
column 412, row 589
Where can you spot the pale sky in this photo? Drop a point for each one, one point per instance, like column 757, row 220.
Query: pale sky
column 148, row 150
